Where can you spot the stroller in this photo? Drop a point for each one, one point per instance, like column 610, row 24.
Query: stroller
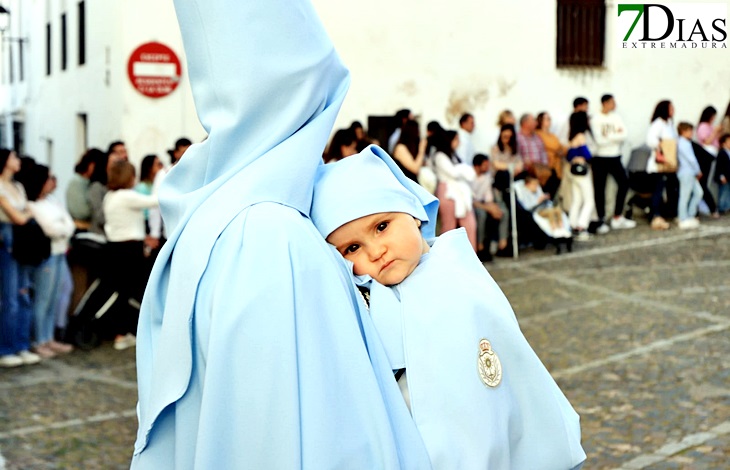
column 534, row 226
column 641, row 183
column 106, row 305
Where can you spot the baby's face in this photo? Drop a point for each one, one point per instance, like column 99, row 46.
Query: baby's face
column 387, row 246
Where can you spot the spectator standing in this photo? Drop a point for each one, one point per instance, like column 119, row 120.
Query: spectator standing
column 52, row 278
column 705, row 150
column 661, row 129
column 722, row 173
column 343, row 144
column 580, row 103
column 180, row 147
column 125, row 231
column 466, row 146
column 149, row 168
column 454, row 188
column 707, row 133
column 77, row 197
column 610, row 134
column 15, row 305
column 410, row 151
column 688, row 174
column 579, row 156
column 361, row 136
column 400, row 119
column 529, row 144
column 117, row 151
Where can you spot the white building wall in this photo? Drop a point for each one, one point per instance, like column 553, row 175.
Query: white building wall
column 438, row 58
column 444, row 58
column 50, row 104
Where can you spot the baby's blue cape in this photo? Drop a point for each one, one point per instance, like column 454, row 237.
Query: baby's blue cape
column 251, row 352
column 432, row 325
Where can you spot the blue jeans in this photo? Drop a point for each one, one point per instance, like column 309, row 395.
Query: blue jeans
column 723, row 204
column 690, row 195
column 47, row 283
column 15, row 305
column 63, row 297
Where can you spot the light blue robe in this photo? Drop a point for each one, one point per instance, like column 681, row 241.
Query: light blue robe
column 251, row 351
column 432, row 324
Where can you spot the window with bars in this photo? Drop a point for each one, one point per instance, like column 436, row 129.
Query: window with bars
column 82, row 33
column 581, row 36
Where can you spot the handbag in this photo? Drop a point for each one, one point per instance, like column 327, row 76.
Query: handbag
column 30, row 245
column 667, row 152
column 578, row 169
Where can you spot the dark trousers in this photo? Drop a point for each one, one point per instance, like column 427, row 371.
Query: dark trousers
column 705, row 168
column 665, row 182
column 602, row 167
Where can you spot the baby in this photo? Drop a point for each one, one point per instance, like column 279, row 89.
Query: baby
column 479, row 395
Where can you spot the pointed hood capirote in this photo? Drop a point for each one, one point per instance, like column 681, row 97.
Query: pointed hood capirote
column 368, row 183
column 251, row 352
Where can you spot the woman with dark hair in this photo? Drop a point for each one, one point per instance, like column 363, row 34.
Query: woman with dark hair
column 707, row 134
column 52, row 278
column 454, row 189
column 582, row 197
column 97, row 191
column 77, row 200
column 706, row 149
column 504, row 155
column 410, row 150
column 361, row 136
column 148, row 170
column 343, row 144
column 15, row 305
column 662, row 129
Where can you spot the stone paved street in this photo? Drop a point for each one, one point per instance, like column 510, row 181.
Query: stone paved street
column 633, row 326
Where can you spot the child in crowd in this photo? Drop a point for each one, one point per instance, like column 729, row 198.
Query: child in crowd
column 477, row 392
column 531, row 197
column 722, row 174
column 688, row 174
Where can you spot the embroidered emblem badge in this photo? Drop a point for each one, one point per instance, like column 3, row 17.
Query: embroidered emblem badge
column 488, row 365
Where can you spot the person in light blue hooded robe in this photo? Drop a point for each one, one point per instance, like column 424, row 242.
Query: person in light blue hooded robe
column 477, row 391
column 251, row 350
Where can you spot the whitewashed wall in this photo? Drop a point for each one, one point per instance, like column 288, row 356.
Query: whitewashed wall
column 442, row 58
column 438, row 58
column 100, row 88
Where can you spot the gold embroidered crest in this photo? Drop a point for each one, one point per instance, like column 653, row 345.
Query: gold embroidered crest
column 488, row 364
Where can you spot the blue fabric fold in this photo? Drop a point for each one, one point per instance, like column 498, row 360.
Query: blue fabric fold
column 251, row 349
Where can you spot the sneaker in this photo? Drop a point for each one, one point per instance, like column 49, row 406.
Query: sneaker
column 658, row 223
column 603, row 229
column 622, row 223
column 583, row 236
column 29, row 358
column 562, row 233
column 44, row 351
column 60, row 348
column 124, row 342
column 10, row 360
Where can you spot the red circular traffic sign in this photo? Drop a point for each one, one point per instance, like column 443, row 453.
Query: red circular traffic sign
column 154, row 70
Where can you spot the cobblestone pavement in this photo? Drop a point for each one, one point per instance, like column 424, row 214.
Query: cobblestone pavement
column 633, row 325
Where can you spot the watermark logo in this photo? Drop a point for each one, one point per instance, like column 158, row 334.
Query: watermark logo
column 672, row 25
